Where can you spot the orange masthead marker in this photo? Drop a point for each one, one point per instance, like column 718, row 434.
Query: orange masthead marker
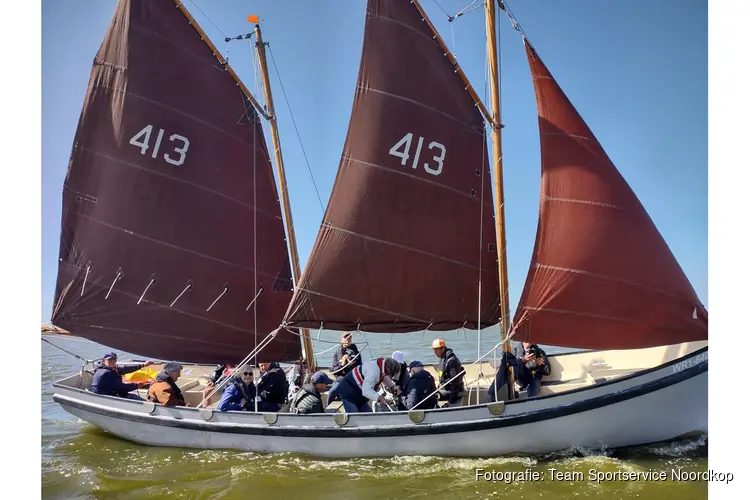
column 253, row 19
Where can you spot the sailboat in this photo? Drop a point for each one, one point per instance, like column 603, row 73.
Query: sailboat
column 412, row 241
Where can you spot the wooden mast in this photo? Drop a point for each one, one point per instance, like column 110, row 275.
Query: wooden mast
column 497, row 165
column 260, row 47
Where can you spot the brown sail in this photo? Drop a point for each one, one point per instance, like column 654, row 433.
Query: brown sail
column 399, row 248
column 601, row 275
column 169, row 184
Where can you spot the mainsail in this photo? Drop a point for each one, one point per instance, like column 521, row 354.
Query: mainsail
column 169, row 191
column 601, row 275
column 409, row 229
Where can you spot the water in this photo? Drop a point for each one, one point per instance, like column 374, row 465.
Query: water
column 81, row 462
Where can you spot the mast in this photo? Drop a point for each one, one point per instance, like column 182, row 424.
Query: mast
column 497, row 167
column 260, row 47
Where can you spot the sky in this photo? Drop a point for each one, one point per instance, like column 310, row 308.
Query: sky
column 636, row 71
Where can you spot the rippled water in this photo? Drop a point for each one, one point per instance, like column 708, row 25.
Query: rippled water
column 80, row 461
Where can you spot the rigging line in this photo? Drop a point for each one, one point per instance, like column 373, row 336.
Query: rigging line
column 209, row 19
column 294, row 122
column 255, row 245
column 441, row 8
column 68, row 352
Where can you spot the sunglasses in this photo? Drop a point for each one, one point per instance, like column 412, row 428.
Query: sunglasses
column 248, row 373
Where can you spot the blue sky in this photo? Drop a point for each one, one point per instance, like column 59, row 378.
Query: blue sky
column 636, row 71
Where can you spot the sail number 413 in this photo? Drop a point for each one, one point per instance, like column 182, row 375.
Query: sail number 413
column 142, row 138
column 405, row 143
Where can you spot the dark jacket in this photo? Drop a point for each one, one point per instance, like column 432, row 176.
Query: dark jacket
column 353, row 353
column 420, row 385
column 403, row 381
column 273, row 386
column 234, row 393
column 526, row 370
column 306, row 400
column 165, row 391
column 448, row 367
column 109, row 382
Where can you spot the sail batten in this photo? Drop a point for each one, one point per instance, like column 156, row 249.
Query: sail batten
column 601, row 274
column 398, row 250
column 168, row 186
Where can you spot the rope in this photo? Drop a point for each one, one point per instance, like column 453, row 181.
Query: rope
column 86, row 361
column 444, row 11
column 209, row 19
column 294, row 122
column 255, row 243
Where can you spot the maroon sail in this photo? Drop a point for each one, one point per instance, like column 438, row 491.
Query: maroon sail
column 601, row 275
column 168, row 186
column 399, row 248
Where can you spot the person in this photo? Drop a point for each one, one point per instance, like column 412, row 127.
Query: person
column 239, row 394
column 108, row 378
column 164, row 390
column 308, row 398
column 449, row 366
column 273, row 387
column 531, row 365
column 421, row 384
column 345, row 359
column 361, row 385
column 403, row 378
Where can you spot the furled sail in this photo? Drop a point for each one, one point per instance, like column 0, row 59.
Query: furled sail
column 399, row 248
column 168, row 175
column 601, row 275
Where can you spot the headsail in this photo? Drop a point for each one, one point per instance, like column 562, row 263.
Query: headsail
column 601, row 275
column 399, row 247
column 168, row 172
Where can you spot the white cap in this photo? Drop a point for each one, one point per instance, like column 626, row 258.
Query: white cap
column 398, row 356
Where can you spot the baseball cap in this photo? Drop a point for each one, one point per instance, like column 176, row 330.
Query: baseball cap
column 398, row 356
column 110, row 355
column 415, row 363
column 321, row 378
column 438, row 343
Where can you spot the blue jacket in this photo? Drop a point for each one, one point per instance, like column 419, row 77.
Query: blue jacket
column 108, row 381
column 420, row 385
column 231, row 399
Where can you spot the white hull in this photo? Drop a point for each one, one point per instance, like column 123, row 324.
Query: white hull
column 655, row 405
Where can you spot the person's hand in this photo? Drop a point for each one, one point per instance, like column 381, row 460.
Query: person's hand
column 148, row 363
column 539, row 361
column 344, row 359
column 382, row 401
column 143, row 383
column 527, row 357
column 243, row 402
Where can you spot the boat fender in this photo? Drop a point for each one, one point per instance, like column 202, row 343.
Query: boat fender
column 149, row 407
column 497, row 408
column 416, row 416
column 206, row 413
column 341, row 418
column 270, row 418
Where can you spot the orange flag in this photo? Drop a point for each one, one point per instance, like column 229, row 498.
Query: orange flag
column 253, row 19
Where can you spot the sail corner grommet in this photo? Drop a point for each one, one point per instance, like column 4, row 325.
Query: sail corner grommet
column 416, row 416
column 149, row 407
column 270, row 418
column 341, row 418
column 497, row 408
column 206, row 413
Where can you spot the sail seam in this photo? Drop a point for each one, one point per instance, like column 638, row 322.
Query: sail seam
column 592, row 315
column 566, row 134
column 470, row 127
column 430, row 39
column 403, row 247
column 175, row 179
column 183, row 49
column 363, row 305
column 153, row 240
column 405, row 174
column 175, row 110
column 608, row 278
